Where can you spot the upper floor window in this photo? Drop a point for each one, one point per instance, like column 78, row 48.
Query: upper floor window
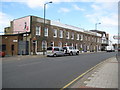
column 46, row 32
column 61, row 34
column 81, row 37
column 72, row 36
column 78, row 36
column 67, row 35
column 89, row 38
column 55, row 33
column 38, row 30
column 86, row 38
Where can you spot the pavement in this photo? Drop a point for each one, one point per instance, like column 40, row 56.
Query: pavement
column 104, row 75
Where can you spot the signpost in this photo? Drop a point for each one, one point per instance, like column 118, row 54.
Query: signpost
column 116, row 37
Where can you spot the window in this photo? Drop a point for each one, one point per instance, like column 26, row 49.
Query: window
column 67, row 35
column 12, row 47
column 52, row 44
column 55, row 33
column 60, row 44
column 98, row 40
column 46, row 32
column 44, row 45
column 86, row 38
column 3, row 47
column 61, row 34
column 38, row 30
column 81, row 37
column 72, row 36
column 78, row 37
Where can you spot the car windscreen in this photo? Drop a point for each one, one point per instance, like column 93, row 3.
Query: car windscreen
column 70, row 47
column 64, row 48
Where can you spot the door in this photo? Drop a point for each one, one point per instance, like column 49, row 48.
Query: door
column 12, row 49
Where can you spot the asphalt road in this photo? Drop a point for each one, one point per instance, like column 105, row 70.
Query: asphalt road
column 48, row 72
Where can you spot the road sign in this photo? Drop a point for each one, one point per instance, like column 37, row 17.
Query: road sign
column 116, row 37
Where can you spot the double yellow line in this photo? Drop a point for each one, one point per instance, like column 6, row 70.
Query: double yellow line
column 83, row 74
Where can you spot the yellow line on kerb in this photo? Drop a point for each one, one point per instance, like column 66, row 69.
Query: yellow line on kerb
column 82, row 75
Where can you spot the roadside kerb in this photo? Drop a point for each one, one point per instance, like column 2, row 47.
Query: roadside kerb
column 80, row 76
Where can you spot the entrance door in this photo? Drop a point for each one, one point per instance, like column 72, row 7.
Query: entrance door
column 12, row 49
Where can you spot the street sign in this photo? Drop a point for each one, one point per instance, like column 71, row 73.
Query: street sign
column 116, row 37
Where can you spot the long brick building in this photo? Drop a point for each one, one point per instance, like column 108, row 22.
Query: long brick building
column 31, row 37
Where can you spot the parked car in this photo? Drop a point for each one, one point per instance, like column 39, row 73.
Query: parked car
column 2, row 54
column 55, row 51
column 118, row 49
column 70, row 50
column 110, row 49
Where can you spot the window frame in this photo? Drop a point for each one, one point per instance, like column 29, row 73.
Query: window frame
column 38, row 30
column 46, row 32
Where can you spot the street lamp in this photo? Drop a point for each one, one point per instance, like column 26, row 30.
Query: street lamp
column 44, row 25
column 96, row 25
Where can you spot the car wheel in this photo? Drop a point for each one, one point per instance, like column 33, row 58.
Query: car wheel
column 55, row 55
column 71, row 53
column 77, row 53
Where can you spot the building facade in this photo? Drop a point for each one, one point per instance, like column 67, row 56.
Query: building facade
column 55, row 34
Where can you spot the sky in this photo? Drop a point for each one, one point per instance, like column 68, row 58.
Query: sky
column 80, row 13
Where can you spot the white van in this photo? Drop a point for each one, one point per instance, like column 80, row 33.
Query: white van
column 55, row 51
column 70, row 50
column 110, row 49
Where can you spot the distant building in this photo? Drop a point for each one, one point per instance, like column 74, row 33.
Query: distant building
column 104, row 38
column 29, row 31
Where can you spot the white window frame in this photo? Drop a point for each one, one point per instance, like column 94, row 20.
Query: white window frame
column 38, row 30
column 78, row 36
column 68, row 35
column 55, row 33
column 72, row 35
column 61, row 34
column 44, row 43
column 60, row 44
column 81, row 37
column 46, row 32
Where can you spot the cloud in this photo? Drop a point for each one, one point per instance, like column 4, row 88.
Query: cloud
column 78, row 8
column 40, row 3
column 4, row 21
column 64, row 10
column 106, row 13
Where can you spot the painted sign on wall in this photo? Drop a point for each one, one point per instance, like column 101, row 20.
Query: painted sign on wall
column 21, row 25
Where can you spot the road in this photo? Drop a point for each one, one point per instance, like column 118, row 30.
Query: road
column 48, row 72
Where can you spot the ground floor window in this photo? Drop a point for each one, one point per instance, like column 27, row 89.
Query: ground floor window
column 52, row 44
column 44, row 45
column 60, row 44
column 3, row 47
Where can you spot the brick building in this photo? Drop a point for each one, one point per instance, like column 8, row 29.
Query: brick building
column 55, row 34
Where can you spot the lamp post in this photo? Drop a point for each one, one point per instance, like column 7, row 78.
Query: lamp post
column 96, row 25
column 44, row 26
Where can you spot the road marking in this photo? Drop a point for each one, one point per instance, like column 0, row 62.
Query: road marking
column 84, row 74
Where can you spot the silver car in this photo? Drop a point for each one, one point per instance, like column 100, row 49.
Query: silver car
column 55, row 51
